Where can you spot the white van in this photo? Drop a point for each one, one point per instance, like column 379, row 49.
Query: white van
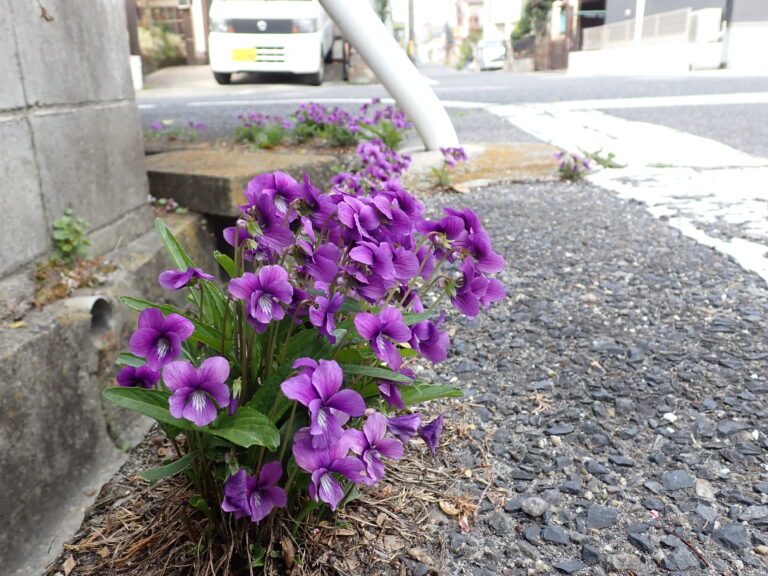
column 491, row 54
column 293, row 36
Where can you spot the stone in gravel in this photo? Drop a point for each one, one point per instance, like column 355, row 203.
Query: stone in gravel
column 571, row 487
column 671, row 541
column 622, row 461
column 751, row 513
column 623, row 563
column 555, row 535
column 728, row 427
column 518, row 474
column 677, row 480
column 590, row 554
column 514, row 505
column 703, row 518
column 532, row 533
column 600, row 517
column 654, row 504
column 654, row 486
column 703, row 489
column 761, row 487
column 641, row 542
column 680, row 559
column 534, row 506
column 499, row 523
column 570, row 566
column 733, row 536
column 466, row 366
column 559, row 430
column 708, row 404
column 527, row 550
column 596, row 468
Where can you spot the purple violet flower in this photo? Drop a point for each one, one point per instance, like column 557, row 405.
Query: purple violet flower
column 159, row 338
column 390, row 389
column 197, row 392
column 476, row 290
column 318, row 388
column 404, row 427
column 176, row 279
column 138, row 377
column 246, row 495
column 263, row 294
column 431, row 433
column 279, row 187
column 430, row 342
column 322, row 463
column 380, row 330
column 322, row 315
column 371, row 444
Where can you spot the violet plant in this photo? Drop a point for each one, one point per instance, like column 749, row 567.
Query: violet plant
column 292, row 383
column 572, row 167
column 165, row 130
column 451, row 158
column 262, row 131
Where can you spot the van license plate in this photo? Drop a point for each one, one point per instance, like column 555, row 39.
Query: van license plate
column 245, row 54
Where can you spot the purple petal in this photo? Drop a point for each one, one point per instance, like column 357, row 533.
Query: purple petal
column 181, row 374
column 143, row 341
column 180, row 325
column 214, row 369
column 375, row 428
column 329, row 490
column 218, row 390
column 200, row 409
column 405, row 426
column 494, row 292
column 300, row 388
column 306, row 456
column 270, row 473
column 242, row 288
column 174, row 279
column 347, row 401
column 350, row 468
column 390, row 392
column 358, row 442
column 327, row 378
column 431, row 433
column 151, row 318
column 367, row 324
column 362, row 254
column 236, row 495
column 178, row 401
column 390, row 448
column 277, row 494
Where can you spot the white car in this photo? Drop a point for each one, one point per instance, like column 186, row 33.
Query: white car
column 294, row 36
column 491, row 54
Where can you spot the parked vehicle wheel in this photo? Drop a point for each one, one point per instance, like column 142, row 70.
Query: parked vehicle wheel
column 316, row 79
column 222, row 77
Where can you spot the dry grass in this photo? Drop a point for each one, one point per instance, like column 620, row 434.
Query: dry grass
column 138, row 530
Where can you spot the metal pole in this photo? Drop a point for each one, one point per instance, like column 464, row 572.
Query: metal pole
column 639, row 21
column 360, row 25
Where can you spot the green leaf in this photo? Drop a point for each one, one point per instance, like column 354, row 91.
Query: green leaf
column 375, row 372
column 225, row 262
column 177, row 253
column 155, row 474
column 152, row 403
column 246, row 428
column 205, row 334
column 199, row 503
column 421, row 392
column 414, row 318
column 126, row 359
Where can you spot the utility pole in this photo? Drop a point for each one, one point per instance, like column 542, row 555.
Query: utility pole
column 726, row 27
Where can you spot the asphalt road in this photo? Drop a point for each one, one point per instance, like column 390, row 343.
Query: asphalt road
column 191, row 94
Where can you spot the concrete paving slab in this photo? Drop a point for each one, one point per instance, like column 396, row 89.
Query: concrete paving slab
column 212, row 181
column 490, row 163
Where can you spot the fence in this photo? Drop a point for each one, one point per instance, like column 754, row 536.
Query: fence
column 673, row 26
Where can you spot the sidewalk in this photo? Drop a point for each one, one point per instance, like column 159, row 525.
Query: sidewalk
column 619, row 396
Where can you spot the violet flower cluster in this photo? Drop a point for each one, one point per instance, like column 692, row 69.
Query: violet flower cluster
column 571, row 166
column 301, row 367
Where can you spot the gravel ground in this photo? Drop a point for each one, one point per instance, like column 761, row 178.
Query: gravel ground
column 620, row 390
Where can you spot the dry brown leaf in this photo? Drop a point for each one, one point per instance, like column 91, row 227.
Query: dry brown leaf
column 342, row 532
column 420, row 556
column 289, row 552
column 69, row 565
column 461, row 189
column 448, row 508
column 103, row 552
column 380, row 519
column 464, row 523
column 19, row 324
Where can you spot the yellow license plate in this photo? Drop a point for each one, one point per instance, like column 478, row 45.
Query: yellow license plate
column 245, row 54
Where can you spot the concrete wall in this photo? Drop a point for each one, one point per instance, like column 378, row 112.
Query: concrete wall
column 743, row 10
column 69, row 129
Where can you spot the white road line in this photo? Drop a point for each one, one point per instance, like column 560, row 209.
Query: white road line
column 285, row 101
column 692, row 181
